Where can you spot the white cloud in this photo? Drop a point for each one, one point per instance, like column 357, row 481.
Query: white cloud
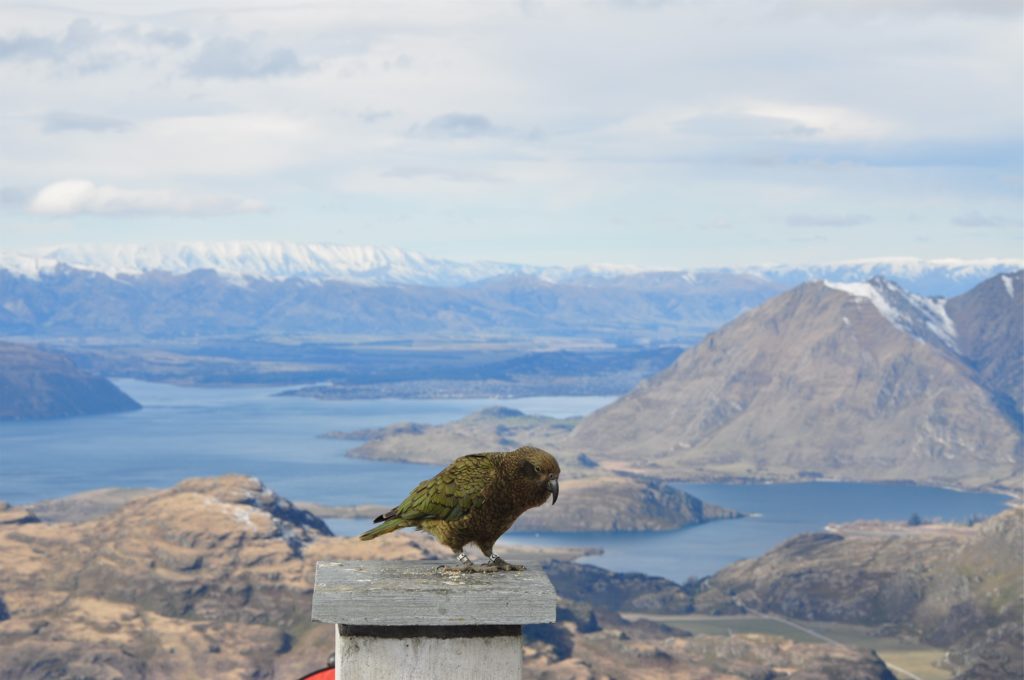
column 78, row 197
column 830, row 122
column 223, row 57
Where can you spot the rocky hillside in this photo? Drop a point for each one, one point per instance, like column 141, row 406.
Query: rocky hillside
column 990, row 334
column 951, row 586
column 859, row 381
column 604, row 646
column 213, row 577
column 37, row 384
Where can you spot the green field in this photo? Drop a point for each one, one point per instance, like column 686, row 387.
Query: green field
column 912, row 658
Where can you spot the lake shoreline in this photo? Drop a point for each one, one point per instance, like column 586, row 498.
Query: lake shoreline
column 202, row 432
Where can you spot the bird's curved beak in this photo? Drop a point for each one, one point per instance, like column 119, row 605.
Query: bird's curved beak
column 553, row 488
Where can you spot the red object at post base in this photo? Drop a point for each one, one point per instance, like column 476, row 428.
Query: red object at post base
column 323, row 674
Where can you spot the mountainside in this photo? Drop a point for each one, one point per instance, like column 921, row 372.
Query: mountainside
column 950, row 586
column 70, row 302
column 210, row 577
column 861, row 381
column 253, row 288
column 990, row 325
column 213, row 578
column 37, row 384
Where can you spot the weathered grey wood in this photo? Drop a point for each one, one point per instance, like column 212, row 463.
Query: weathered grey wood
column 359, row 657
column 382, row 593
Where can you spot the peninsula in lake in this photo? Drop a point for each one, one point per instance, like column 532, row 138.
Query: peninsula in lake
column 37, row 384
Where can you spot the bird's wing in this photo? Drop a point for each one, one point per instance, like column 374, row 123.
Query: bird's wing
column 453, row 492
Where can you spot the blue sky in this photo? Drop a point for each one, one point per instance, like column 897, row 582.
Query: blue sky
column 660, row 134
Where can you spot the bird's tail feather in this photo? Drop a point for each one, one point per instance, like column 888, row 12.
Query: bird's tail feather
column 385, row 528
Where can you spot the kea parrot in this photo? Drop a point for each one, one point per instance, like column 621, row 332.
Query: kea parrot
column 475, row 500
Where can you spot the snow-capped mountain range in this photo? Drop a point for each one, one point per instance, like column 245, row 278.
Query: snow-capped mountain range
column 292, row 290
column 278, row 261
column 239, row 261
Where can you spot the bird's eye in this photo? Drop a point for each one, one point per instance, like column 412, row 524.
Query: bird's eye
column 536, row 469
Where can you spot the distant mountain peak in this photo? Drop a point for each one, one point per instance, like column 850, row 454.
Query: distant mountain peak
column 846, row 380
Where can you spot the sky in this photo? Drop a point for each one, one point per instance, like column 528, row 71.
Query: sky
column 659, row 134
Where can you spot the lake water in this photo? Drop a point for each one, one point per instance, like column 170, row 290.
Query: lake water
column 776, row 512
column 187, row 431
column 199, row 431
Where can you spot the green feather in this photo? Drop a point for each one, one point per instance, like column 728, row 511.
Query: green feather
column 385, row 528
column 452, row 493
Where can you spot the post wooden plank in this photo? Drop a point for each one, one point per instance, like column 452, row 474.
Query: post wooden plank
column 388, row 593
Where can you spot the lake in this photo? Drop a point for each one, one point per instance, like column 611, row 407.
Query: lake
column 199, row 431
column 190, row 431
column 776, row 512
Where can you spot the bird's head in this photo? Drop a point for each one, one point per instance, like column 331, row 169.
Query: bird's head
column 538, row 470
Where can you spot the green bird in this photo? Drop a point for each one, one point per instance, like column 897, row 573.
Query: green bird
column 475, row 500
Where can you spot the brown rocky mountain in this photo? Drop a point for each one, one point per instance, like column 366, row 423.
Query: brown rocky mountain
column 990, row 334
column 612, row 647
column 858, row 381
column 213, row 578
column 951, row 586
column 37, row 384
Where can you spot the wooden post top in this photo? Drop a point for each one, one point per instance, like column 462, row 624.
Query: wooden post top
column 388, row 593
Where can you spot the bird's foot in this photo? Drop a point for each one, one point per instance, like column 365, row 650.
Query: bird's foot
column 466, row 566
column 499, row 564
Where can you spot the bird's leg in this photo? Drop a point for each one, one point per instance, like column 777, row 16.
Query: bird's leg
column 501, row 565
column 466, row 565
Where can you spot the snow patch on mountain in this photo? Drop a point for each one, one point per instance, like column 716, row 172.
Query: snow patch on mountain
column 920, row 316
column 1008, row 284
column 26, row 265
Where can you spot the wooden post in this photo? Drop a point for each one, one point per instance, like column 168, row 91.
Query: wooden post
column 408, row 620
